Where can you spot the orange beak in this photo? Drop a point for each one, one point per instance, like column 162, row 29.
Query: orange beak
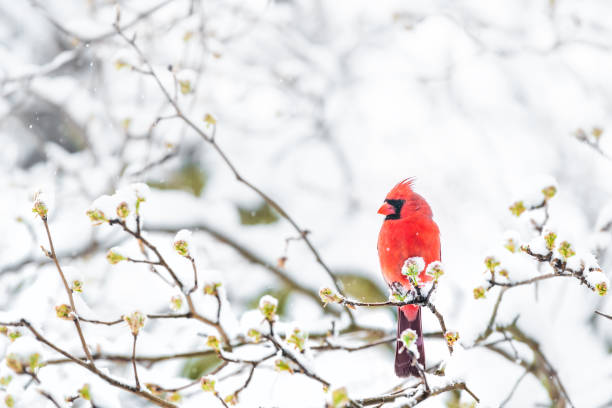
column 386, row 209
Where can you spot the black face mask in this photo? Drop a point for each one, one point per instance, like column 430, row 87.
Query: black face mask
column 397, row 205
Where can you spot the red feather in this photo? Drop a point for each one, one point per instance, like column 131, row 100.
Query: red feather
column 409, row 233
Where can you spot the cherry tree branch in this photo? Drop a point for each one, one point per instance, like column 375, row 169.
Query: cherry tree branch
column 75, row 317
column 210, row 139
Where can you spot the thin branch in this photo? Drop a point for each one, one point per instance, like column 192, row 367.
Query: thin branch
column 249, row 255
column 195, row 279
column 211, row 140
column 513, row 390
column 194, row 314
column 489, row 328
column 603, row 314
column 417, row 395
column 134, row 361
column 111, row 380
column 53, row 256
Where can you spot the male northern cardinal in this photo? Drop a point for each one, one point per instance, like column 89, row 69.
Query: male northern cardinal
column 407, row 231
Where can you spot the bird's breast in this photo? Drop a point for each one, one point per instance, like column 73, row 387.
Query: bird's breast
column 406, row 238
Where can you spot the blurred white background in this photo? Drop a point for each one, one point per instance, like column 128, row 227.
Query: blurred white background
column 324, row 106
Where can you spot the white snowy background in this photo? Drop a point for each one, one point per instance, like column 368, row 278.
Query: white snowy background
column 324, row 106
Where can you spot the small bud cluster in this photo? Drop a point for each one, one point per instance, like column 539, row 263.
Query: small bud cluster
column 565, row 250
column 267, row 307
column 85, row 392
column 598, row 281
column 115, row 255
column 328, row 296
column 435, row 270
column 119, row 205
column 24, row 355
column 231, row 399
column 181, row 243
column 512, row 241
column 64, row 312
column 212, row 289
column 408, row 337
column 479, row 292
column 136, row 321
column 12, row 334
column 451, row 337
column 593, row 137
column 491, row 265
column 412, row 268
column 517, row 208
column 213, row 343
column 280, row 364
column 176, row 302
column 297, row 338
column 208, row 383
column 123, row 210
column 40, row 209
column 210, row 120
column 549, row 239
column 255, row 335
column 339, row 398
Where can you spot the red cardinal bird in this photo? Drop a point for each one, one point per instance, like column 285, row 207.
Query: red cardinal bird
column 407, row 231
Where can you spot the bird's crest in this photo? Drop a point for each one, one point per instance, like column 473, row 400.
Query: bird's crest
column 402, row 190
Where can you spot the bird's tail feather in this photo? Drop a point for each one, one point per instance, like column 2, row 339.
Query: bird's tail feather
column 403, row 360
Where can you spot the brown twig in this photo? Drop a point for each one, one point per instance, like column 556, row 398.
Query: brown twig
column 211, row 140
column 134, row 361
column 417, row 395
column 75, row 319
column 111, row 380
column 194, row 314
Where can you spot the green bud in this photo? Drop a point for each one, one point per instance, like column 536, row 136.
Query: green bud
column 281, row 364
column 64, row 312
column 185, row 86
column 435, row 270
column 211, row 288
column 123, row 210
column 77, row 286
column 451, row 337
column 597, row 132
column 408, row 337
column 13, row 362
column 340, row 398
column 549, row 192
column 40, row 209
column 4, row 381
column 491, row 263
column 213, row 342
column 114, row 258
column 550, row 238
column 565, row 249
column 255, row 335
column 135, row 321
column 176, row 302
column 479, row 292
column 97, row 217
column 601, row 288
column 298, row 339
column 328, row 296
column 267, row 307
column 85, row 392
column 208, row 383
column 517, row 208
